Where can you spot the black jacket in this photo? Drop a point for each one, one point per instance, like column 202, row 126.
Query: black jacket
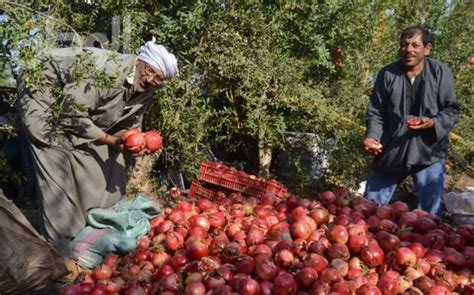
column 388, row 110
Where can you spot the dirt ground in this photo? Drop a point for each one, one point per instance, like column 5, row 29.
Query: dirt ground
column 463, row 183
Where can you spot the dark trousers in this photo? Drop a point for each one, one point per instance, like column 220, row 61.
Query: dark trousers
column 428, row 179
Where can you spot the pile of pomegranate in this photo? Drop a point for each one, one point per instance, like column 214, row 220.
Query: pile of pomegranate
column 337, row 244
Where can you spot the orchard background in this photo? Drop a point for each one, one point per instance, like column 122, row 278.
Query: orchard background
column 251, row 71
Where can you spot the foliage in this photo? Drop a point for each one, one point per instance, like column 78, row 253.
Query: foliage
column 6, row 173
column 454, row 46
column 253, row 70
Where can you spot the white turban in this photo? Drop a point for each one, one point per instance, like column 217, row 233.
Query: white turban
column 157, row 56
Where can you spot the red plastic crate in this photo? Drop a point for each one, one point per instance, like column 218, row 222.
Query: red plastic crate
column 212, row 172
column 221, row 175
column 198, row 191
column 232, row 180
column 260, row 188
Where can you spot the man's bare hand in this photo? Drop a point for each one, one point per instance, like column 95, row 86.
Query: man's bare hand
column 111, row 140
column 426, row 123
column 137, row 154
column 372, row 146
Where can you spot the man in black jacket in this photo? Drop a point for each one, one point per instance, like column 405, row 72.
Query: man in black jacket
column 411, row 112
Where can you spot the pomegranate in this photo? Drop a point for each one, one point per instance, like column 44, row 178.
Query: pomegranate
column 255, row 236
column 399, row 208
column 388, row 285
column 418, row 249
column 112, row 260
column 71, row 290
column 368, row 289
column 338, row 234
column 384, row 212
column 338, row 251
column 405, row 256
column 404, row 284
column 456, row 241
column 341, row 265
column 301, row 229
column 306, row 276
column 160, row 258
column 127, row 133
column 320, row 215
column 103, row 272
column 249, row 286
column 196, row 248
column 266, row 288
column 328, row 197
column 285, row 284
column 174, row 240
column 413, row 273
column 454, row 257
column 175, row 193
column 413, row 121
column 425, row 224
column 388, row 242
column 178, row 259
column 261, row 249
column 153, row 141
column 195, row 288
column 315, row 261
column 408, row 219
column 330, row 275
column 438, row 290
column 135, row 142
column 284, row 258
column 266, row 270
column 244, row 264
column 321, row 288
column 372, row 255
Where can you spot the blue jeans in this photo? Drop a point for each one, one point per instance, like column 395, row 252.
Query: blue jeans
column 429, row 181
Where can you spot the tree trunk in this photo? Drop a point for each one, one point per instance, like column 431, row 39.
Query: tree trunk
column 264, row 154
column 140, row 178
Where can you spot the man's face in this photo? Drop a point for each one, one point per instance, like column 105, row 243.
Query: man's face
column 148, row 77
column 413, row 52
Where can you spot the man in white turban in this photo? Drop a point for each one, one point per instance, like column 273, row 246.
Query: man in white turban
column 155, row 65
column 86, row 169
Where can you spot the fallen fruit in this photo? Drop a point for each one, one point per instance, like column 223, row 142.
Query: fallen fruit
column 175, row 192
column 238, row 244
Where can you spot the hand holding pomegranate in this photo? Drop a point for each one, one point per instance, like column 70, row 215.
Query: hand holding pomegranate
column 420, row 123
column 373, row 146
column 138, row 143
column 113, row 141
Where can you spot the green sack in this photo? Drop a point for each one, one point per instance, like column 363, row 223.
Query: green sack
column 115, row 229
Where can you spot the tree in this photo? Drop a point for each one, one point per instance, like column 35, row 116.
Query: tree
column 251, row 71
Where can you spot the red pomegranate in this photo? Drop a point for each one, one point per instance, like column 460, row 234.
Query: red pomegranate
column 128, row 132
column 153, row 140
column 413, row 121
column 135, row 142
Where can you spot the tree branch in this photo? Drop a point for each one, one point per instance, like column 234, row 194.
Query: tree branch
column 46, row 16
